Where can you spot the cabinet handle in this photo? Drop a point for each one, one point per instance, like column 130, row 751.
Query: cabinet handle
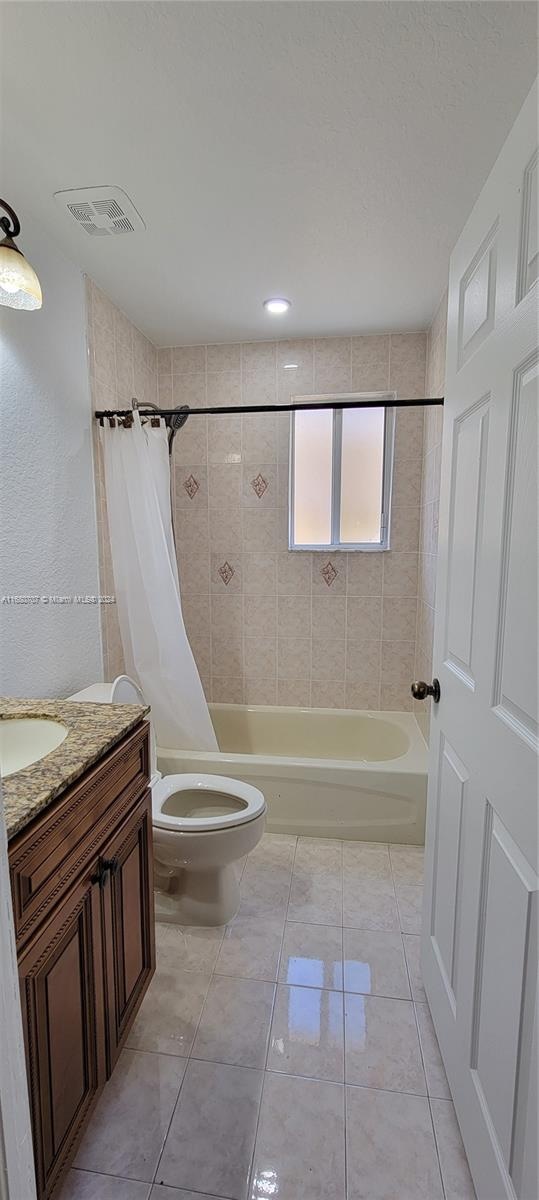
column 103, row 867
column 100, row 876
column 110, row 864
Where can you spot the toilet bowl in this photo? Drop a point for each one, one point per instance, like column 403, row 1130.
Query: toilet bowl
column 202, row 826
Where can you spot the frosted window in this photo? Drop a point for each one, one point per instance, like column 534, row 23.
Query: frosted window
column 362, row 470
column 340, row 478
column 313, row 471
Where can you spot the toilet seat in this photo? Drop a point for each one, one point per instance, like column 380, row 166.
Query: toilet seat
column 236, row 789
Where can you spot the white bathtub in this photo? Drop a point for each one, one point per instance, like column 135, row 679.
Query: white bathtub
column 324, row 772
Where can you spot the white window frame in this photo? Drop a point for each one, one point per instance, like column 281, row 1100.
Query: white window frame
column 387, row 476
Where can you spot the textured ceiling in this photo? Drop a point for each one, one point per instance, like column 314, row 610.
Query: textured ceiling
column 329, row 152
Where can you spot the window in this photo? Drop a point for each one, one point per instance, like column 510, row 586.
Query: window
column 340, row 478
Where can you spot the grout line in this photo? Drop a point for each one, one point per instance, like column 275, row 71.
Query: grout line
column 442, row 1179
column 270, row 1026
column 408, row 972
column 391, row 1091
column 172, row 1115
column 108, row 1175
column 282, row 943
column 192, row 1191
column 183, row 1080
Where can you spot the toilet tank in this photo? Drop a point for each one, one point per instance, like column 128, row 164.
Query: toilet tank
column 97, row 693
column 123, row 690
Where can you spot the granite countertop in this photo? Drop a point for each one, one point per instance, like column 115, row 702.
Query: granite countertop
column 93, row 729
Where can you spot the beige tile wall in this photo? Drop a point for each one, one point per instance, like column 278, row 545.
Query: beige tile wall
column 122, row 364
column 266, row 625
column 430, row 493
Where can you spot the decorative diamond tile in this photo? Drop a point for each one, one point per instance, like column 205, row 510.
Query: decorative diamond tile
column 191, row 486
column 226, row 572
column 259, row 485
column 329, row 573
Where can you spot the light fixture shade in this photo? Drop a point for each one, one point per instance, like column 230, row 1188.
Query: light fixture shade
column 19, row 284
column 277, row 305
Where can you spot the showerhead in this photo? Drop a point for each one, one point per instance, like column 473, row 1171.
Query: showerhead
column 178, row 417
column 175, row 419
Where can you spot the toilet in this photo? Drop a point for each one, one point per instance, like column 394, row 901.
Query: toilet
column 202, row 826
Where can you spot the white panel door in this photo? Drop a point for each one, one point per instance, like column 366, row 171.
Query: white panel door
column 479, row 945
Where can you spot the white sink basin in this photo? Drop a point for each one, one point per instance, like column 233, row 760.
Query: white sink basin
column 24, row 740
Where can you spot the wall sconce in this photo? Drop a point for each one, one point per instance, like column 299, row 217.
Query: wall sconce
column 19, row 284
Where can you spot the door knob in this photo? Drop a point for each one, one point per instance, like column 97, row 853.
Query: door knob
column 420, row 690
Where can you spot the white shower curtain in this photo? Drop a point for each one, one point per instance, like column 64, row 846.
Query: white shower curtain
column 156, row 650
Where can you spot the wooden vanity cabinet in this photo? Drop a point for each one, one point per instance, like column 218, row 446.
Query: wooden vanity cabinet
column 128, row 924
column 61, row 976
column 83, row 903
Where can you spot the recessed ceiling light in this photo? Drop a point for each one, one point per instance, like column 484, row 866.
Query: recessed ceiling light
column 290, row 366
column 277, row 305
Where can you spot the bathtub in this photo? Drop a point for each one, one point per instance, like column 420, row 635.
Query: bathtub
column 324, row 772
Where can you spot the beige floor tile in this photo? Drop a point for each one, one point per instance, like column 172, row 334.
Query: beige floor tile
column 168, row 1017
column 318, row 854
column 367, row 860
column 369, row 904
column 265, row 888
column 437, row 1084
column 316, row 897
column 277, row 848
column 391, row 1154
column 412, row 948
column 409, row 902
column 128, row 1126
column 251, row 948
column 382, row 1046
column 313, row 1035
column 210, row 1141
column 299, row 1152
column 456, row 1176
column 311, row 956
column 191, row 947
column 307, row 1033
column 86, row 1185
column 235, row 1022
column 374, row 963
column 407, row 863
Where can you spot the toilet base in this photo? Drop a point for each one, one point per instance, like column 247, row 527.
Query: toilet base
column 210, row 897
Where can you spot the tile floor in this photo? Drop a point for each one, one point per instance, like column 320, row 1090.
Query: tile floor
column 290, row 1055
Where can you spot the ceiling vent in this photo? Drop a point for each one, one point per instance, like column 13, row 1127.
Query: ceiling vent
column 101, row 210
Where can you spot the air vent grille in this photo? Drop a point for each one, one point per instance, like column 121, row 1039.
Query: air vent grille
column 101, row 211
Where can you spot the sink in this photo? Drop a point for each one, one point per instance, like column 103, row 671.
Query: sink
column 24, row 740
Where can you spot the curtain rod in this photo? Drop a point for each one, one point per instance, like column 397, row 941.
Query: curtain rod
column 168, row 413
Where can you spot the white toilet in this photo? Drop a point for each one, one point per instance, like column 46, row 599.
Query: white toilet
column 202, row 826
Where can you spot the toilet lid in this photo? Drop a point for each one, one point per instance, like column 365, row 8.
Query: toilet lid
column 194, row 803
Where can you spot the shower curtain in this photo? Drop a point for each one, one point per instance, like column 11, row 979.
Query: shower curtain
column 156, row 649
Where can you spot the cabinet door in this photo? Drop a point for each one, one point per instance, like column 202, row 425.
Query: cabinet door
column 61, row 979
column 128, row 922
